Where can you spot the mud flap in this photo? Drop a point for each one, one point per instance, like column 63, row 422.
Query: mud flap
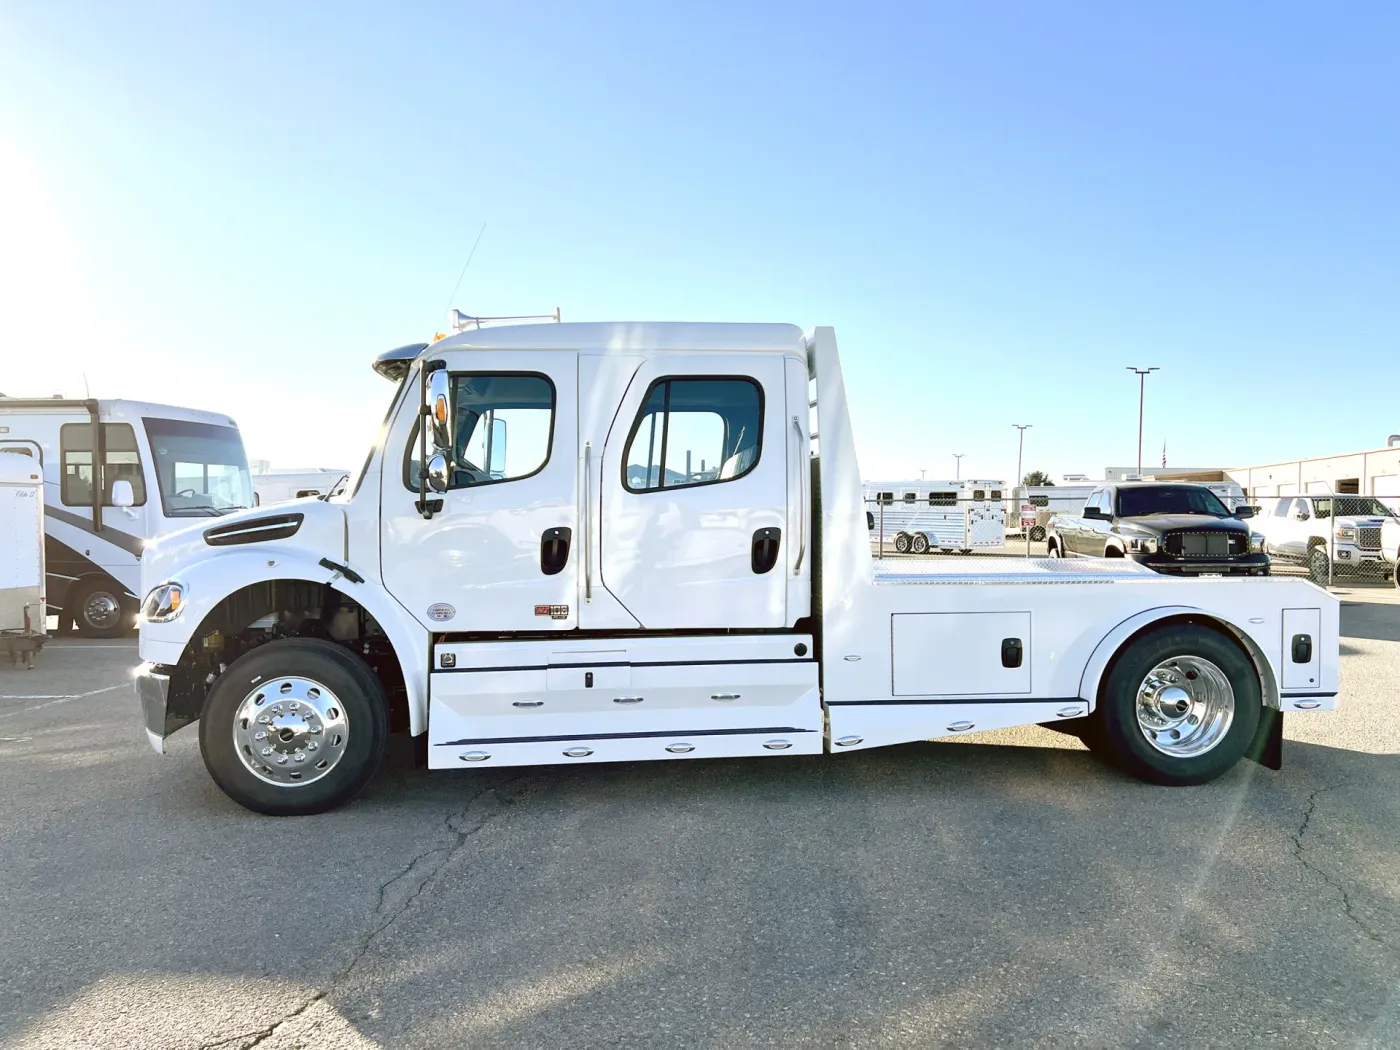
column 1267, row 746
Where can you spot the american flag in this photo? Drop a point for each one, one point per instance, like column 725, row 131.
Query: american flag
column 1164, row 453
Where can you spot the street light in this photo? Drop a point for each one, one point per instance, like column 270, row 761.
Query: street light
column 957, row 463
column 1142, row 374
column 1020, row 444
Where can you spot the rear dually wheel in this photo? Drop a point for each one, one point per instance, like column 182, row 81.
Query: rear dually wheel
column 1180, row 706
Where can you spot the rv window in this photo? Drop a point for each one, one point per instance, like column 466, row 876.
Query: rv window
column 505, row 428
column 694, row 431
column 122, row 461
column 979, row 493
column 942, row 499
column 910, row 497
column 200, row 468
column 996, row 494
column 886, row 499
column 1040, row 501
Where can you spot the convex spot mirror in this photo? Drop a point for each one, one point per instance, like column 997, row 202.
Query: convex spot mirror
column 440, row 409
column 437, row 473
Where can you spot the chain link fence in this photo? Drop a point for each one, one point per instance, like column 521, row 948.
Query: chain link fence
column 1339, row 543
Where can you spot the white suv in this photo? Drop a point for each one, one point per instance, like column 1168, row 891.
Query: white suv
column 1329, row 534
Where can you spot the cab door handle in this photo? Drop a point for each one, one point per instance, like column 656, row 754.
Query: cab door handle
column 554, row 550
column 764, row 554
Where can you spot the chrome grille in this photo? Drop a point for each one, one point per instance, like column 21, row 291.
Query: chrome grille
column 1369, row 538
column 1204, row 544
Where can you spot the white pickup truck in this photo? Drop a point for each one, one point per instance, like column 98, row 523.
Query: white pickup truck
column 629, row 543
column 1333, row 535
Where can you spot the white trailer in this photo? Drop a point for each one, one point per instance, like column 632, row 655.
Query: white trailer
column 593, row 601
column 109, row 489
column 278, row 486
column 22, row 615
column 925, row 517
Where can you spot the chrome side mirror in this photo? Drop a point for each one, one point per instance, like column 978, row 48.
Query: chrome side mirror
column 440, row 409
column 437, row 473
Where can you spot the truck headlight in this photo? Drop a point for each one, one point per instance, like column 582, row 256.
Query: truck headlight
column 1346, row 532
column 1256, row 543
column 1144, row 545
column 164, row 603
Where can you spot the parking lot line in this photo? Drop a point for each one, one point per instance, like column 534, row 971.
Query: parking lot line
column 55, row 699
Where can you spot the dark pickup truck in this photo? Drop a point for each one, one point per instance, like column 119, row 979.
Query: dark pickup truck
column 1174, row 528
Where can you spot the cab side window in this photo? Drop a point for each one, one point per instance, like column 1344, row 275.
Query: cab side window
column 694, row 431
column 504, row 428
column 122, row 459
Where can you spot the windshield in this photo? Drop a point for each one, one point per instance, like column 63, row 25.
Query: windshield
column 201, row 468
column 1350, row 506
column 1169, row 499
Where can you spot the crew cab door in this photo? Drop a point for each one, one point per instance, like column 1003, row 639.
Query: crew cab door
column 500, row 551
column 689, row 493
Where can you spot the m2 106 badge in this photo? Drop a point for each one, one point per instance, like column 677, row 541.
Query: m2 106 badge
column 554, row 612
column 441, row 612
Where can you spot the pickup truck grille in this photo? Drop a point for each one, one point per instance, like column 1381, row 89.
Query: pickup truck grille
column 1368, row 538
column 1205, row 544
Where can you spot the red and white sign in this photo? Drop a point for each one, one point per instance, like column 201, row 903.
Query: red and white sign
column 1027, row 513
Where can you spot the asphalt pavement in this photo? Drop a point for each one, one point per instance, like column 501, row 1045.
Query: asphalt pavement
column 1002, row 890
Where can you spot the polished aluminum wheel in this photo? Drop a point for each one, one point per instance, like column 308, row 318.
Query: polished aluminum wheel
column 1185, row 706
column 290, row 731
column 102, row 610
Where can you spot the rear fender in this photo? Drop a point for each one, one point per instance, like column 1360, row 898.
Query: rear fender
column 209, row 582
column 1102, row 657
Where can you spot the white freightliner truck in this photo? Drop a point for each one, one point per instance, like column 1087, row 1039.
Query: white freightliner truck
column 588, row 593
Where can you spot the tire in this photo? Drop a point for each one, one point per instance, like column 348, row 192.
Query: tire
column 100, row 609
column 1112, row 552
column 919, row 544
column 1053, row 548
column 1037, row 533
column 901, row 543
column 1318, row 566
column 320, row 677
column 1117, row 731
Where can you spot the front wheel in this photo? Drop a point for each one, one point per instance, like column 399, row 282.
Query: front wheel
column 100, row 610
column 296, row 726
column 901, row 543
column 1054, row 549
column 1180, row 707
column 1319, row 567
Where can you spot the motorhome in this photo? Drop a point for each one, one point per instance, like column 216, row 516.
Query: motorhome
column 276, row 486
column 923, row 517
column 593, row 601
column 116, row 475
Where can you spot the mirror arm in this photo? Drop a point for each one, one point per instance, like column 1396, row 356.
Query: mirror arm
column 423, row 423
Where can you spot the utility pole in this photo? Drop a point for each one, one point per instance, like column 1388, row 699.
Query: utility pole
column 1142, row 374
column 957, row 462
column 1020, row 444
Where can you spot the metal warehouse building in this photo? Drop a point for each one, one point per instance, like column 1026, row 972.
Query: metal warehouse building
column 1372, row 473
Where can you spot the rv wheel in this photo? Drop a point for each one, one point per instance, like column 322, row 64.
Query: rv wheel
column 901, row 543
column 1037, row 533
column 99, row 610
column 919, row 544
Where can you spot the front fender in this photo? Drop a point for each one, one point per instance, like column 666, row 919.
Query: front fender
column 209, row 582
column 1098, row 663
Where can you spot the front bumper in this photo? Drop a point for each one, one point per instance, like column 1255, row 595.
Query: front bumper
column 153, row 690
column 1245, row 565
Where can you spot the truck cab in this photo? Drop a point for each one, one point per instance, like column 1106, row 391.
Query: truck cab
column 578, row 543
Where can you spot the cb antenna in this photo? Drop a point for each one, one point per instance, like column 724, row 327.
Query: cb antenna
column 470, row 255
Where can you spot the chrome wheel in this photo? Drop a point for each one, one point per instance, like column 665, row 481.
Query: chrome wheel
column 1185, row 706
column 101, row 610
column 290, row 731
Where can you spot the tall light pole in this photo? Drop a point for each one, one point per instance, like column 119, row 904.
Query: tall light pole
column 1020, row 444
column 957, row 463
column 1142, row 374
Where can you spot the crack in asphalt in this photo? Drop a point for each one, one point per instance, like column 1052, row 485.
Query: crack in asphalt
column 1300, row 852
column 494, row 806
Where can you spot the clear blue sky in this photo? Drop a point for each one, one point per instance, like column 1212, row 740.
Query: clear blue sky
column 237, row 205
